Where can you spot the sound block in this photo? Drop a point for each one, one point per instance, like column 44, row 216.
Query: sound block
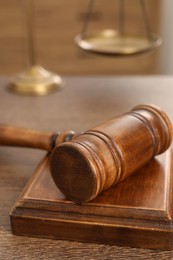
column 137, row 212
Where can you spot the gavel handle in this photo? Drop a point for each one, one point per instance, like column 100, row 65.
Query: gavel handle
column 14, row 136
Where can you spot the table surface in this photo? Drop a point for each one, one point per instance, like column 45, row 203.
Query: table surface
column 83, row 103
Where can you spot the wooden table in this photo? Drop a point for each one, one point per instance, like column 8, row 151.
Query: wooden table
column 83, row 103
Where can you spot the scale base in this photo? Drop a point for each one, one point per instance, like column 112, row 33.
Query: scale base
column 36, row 81
column 137, row 212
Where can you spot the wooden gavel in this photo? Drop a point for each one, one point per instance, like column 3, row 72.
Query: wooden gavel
column 108, row 153
column 93, row 161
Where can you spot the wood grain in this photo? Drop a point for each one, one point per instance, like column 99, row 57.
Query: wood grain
column 90, row 100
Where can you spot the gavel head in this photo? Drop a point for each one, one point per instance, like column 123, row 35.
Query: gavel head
column 108, row 153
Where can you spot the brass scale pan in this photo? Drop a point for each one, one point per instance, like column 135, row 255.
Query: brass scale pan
column 117, row 43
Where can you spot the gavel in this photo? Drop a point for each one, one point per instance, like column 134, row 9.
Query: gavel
column 110, row 152
column 82, row 165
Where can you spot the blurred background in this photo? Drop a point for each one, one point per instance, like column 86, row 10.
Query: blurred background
column 56, row 24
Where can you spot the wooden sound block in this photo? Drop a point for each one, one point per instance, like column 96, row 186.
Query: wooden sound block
column 137, row 212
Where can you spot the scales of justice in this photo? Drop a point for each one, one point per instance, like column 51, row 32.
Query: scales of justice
column 59, row 203
column 108, row 42
column 35, row 80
